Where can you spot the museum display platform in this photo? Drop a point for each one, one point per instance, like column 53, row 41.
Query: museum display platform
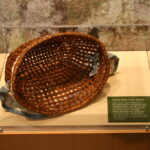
column 131, row 79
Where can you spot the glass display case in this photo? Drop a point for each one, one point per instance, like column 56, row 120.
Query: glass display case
column 125, row 34
column 130, row 79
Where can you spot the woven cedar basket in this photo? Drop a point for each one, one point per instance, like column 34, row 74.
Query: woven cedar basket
column 52, row 74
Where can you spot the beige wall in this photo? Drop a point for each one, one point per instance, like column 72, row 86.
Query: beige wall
column 120, row 24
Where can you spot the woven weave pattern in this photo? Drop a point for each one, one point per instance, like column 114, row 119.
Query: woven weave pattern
column 59, row 73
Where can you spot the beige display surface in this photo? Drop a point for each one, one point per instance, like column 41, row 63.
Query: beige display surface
column 2, row 62
column 149, row 56
column 131, row 79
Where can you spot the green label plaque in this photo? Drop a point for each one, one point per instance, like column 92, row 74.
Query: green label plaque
column 129, row 109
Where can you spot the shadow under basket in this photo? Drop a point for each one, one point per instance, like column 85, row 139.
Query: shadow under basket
column 58, row 73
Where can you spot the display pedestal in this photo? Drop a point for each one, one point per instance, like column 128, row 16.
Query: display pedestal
column 87, row 128
column 131, row 79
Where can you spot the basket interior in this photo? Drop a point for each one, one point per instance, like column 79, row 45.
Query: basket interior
column 54, row 75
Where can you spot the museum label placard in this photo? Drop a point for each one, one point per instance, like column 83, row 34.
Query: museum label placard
column 129, row 109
